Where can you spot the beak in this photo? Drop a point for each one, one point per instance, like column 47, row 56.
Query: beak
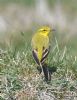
column 53, row 30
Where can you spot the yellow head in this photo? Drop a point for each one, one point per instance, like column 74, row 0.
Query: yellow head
column 44, row 30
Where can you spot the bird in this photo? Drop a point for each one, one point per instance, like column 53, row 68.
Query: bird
column 40, row 49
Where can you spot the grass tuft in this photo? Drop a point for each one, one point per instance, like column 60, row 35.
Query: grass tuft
column 20, row 80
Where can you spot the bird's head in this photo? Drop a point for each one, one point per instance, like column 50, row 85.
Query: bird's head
column 45, row 30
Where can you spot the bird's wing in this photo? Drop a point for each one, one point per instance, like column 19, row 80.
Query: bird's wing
column 45, row 54
column 34, row 52
column 40, row 43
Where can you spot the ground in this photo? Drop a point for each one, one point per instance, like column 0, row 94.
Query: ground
column 19, row 77
column 20, row 80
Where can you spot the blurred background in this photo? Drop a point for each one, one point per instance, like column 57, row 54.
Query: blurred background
column 19, row 78
column 19, row 19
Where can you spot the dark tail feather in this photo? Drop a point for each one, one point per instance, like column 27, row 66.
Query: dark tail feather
column 47, row 74
column 52, row 69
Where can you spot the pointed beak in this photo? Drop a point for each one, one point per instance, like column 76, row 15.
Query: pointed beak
column 53, row 30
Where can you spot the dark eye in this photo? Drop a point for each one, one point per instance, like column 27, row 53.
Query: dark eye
column 44, row 30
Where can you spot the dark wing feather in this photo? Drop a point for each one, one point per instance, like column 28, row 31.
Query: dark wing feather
column 45, row 54
column 34, row 52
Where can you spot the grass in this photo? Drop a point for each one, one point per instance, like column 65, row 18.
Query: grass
column 20, row 80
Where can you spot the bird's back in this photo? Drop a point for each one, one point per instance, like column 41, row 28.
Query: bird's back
column 40, row 41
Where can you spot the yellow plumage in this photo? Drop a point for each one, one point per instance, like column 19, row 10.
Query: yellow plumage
column 40, row 49
column 40, row 41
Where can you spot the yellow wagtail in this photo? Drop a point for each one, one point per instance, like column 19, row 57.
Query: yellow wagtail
column 40, row 45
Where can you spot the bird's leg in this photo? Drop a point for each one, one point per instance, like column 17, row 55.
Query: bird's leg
column 41, row 68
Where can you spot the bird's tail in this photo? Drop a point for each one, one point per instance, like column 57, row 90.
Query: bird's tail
column 46, row 72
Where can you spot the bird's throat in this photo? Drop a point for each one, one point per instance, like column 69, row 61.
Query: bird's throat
column 44, row 34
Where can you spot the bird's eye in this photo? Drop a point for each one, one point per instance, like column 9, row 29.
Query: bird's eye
column 44, row 30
